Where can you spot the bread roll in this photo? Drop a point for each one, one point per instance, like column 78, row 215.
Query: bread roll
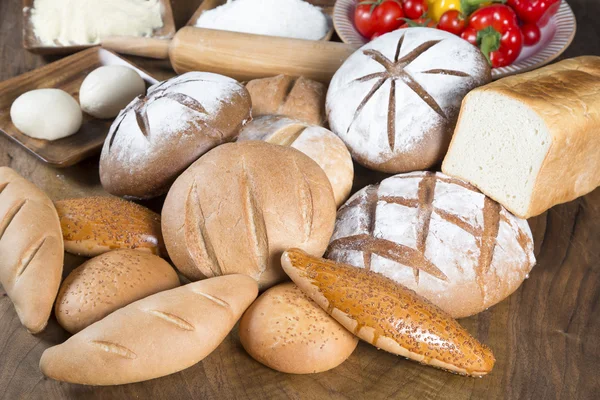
column 395, row 101
column 531, row 141
column 438, row 236
column 95, row 225
column 153, row 337
column 241, row 205
column 320, row 144
column 285, row 330
column 300, row 98
column 388, row 315
column 31, row 249
column 158, row 136
column 108, row 282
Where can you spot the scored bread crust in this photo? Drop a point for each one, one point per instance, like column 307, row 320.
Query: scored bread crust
column 153, row 337
column 565, row 96
column 31, row 249
column 388, row 315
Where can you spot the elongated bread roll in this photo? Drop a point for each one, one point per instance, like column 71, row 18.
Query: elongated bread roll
column 388, row 315
column 153, row 337
column 31, row 249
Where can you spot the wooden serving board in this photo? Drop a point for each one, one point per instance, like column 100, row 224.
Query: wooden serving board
column 66, row 74
column 545, row 336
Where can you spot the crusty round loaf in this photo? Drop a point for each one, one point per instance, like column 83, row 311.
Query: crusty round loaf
column 438, row 236
column 95, row 225
column 320, row 144
column 300, row 98
column 158, row 136
column 241, row 205
column 285, row 330
column 108, row 282
column 395, row 101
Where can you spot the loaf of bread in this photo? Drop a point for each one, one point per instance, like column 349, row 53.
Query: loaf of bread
column 241, row 205
column 438, row 236
column 158, row 136
column 95, row 225
column 153, row 337
column 395, row 101
column 31, row 249
column 298, row 98
column 388, row 315
column 108, row 282
column 531, row 141
column 287, row 331
column 320, row 144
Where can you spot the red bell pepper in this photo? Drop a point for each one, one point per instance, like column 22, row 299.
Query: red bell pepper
column 536, row 12
column 495, row 30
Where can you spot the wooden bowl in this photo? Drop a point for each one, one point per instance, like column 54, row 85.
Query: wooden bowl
column 210, row 4
column 34, row 45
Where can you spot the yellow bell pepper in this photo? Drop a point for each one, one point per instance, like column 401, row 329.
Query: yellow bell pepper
column 438, row 7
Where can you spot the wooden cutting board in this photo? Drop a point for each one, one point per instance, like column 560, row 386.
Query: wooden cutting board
column 546, row 336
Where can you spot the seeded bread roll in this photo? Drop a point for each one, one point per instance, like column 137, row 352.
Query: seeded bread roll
column 285, row 330
column 299, row 98
column 108, row 282
column 241, row 205
column 388, row 315
column 320, row 144
column 153, row 337
column 95, row 225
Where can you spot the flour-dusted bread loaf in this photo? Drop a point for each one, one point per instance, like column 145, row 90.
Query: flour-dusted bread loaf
column 532, row 141
column 95, row 225
column 158, row 136
column 388, row 315
column 394, row 102
column 238, row 207
column 153, row 337
column 108, row 282
column 31, row 249
column 300, row 98
column 287, row 331
column 320, row 144
column 438, row 236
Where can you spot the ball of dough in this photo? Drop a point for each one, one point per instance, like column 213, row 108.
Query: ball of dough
column 285, row 330
column 48, row 114
column 107, row 90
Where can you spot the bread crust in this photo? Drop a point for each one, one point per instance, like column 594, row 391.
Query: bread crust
column 31, row 246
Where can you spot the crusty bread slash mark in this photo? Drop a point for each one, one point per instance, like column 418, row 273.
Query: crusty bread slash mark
column 214, row 299
column 114, row 348
column 10, row 216
column 3, row 186
column 172, row 319
column 283, row 138
column 290, row 86
column 305, row 197
column 425, row 194
column 28, row 257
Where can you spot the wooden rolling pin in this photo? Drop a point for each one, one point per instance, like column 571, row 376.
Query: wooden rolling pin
column 239, row 55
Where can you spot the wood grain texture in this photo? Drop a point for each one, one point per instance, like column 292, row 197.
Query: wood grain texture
column 545, row 336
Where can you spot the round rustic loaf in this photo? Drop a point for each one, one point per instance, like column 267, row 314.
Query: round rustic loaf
column 158, row 136
column 285, row 330
column 320, row 144
column 395, row 101
column 438, row 236
column 238, row 207
column 108, row 282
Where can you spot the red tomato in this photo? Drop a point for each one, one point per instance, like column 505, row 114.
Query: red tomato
column 414, row 9
column 452, row 21
column 531, row 34
column 426, row 22
column 378, row 17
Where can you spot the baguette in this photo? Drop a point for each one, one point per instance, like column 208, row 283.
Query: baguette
column 31, row 249
column 95, row 225
column 388, row 315
column 153, row 337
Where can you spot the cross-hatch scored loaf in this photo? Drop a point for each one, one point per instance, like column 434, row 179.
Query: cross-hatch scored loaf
column 31, row 248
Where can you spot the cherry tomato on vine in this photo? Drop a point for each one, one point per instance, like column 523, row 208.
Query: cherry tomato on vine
column 411, row 23
column 452, row 21
column 531, row 34
column 377, row 17
column 414, row 9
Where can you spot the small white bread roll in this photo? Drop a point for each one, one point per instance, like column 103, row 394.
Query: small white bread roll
column 48, row 114
column 108, row 89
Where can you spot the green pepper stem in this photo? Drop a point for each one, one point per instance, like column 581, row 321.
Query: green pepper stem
column 489, row 41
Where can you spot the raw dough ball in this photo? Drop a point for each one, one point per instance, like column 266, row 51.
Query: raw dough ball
column 48, row 114
column 107, row 90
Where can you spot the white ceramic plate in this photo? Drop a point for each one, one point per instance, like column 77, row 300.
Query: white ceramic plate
column 556, row 37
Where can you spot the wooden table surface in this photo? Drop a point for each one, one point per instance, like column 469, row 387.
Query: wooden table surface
column 546, row 336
